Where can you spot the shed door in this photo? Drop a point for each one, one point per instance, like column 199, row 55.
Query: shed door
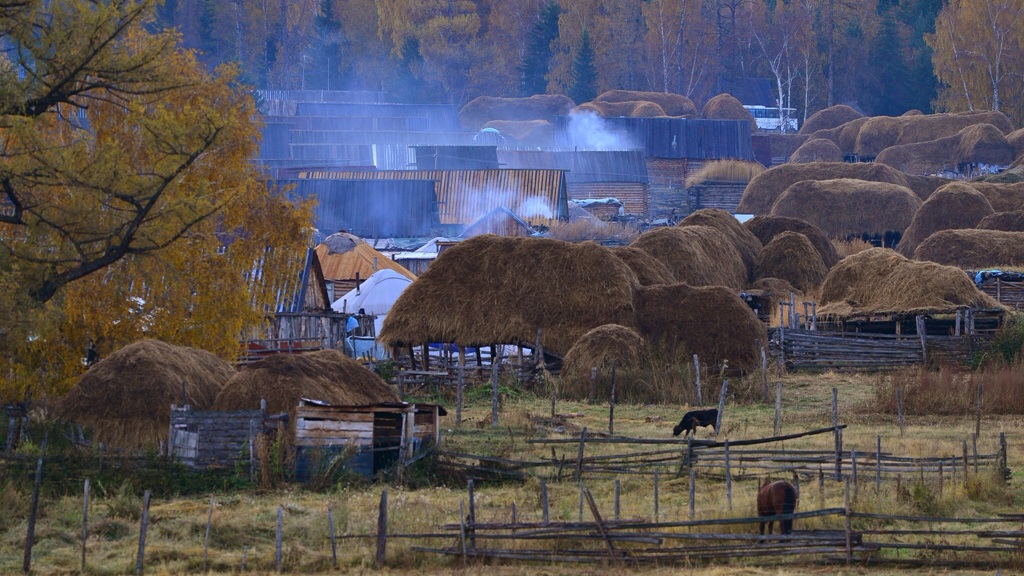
column 387, row 440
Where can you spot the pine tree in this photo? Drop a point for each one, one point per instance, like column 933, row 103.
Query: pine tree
column 584, row 73
column 537, row 60
column 886, row 94
column 325, row 57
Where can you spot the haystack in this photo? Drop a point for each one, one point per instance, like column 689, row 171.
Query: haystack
column 791, row 257
column 1016, row 140
column 1012, row 221
column 711, row 321
column 648, row 269
column 921, row 157
column 762, row 192
column 983, row 144
column 742, row 239
column 877, row 134
column 924, row 186
column 848, row 134
column 767, row 227
column 727, row 107
column 1003, row 197
column 955, row 205
column 774, row 287
column 125, row 399
column 880, row 281
column 817, row 150
column 326, row 375
column 599, row 348
column 881, row 132
column 697, row 255
column 831, row 117
column 481, row 110
column 846, row 207
column 489, row 289
column 627, row 109
column 973, row 249
column 672, row 104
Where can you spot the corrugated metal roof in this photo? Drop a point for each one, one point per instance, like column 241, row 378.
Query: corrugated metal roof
column 440, row 117
column 457, row 158
column 676, row 137
column 581, row 165
column 361, row 260
column 537, row 196
column 369, row 207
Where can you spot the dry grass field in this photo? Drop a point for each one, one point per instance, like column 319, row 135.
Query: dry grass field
column 245, row 520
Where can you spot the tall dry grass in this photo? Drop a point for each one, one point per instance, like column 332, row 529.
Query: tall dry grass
column 583, row 230
column 952, row 391
column 725, row 171
column 850, row 247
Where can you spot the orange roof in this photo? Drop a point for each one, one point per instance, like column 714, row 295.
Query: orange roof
column 361, row 259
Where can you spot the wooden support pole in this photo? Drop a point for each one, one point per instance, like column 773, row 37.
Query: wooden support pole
column 899, row 409
column 462, row 531
column 821, row 486
column 977, row 417
column 579, row 454
column 278, row 539
column 544, row 501
column 495, row 362
column 460, row 385
column 382, row 528
column 838, row 438
column 835, row 407
column 334, row 542
column 778, row 407
column 580, row 517
column 1004, row 471
column 30, row 534
column 940, row 479
column 593, row 385
column 206, row 536
column 878, row 464
column 853, row 471
column 728, row 477
column 600, row 524
column 965, row 461
column 85, row 521
column 611, row 403
column 693, row 487
column 764, row 375
column 974, row 451
column 471, row 522
column 696, row 379
column 615, row 503
column 143, row 524
column 655, row 495
column 721, row 406
column 956, row 331
column 847, row 525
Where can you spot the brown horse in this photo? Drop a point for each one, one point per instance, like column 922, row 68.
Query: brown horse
column 774, row 498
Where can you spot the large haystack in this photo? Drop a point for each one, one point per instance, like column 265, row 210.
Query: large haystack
column 727, row 107
column 791, row 257
column 742, row 239
column 697, row 255
column 483, row 109
column 489, row 289
column 828, row 118
column 881, row 132
column 1012, row 221
column 924, row 186
column 648, row 269
column 768, row 227
column 710, row 321
column 973, row 249
column 846, row 207
column 672, row 104
column 877, row 134
column 921, row 157
column 125, row 399
column 762, row 192
column 326, row 375
column 848, row 134
column 1016, row 140
column 817, row 150
column 777, row 288
column 599, row 348
column 955, row 205
column 626, row 109
column 983, row 144
column 880, row 281
column 1003, row 197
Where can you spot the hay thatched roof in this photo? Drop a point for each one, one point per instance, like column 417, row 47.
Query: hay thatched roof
column 697, row 255
column 1003, row 197
column 742, row 239
column 482, row 109
column 599, row 348
column 710, row 321
column 490, row 289
column 727, row 107
column 648, row 269
column 282, row 379
column 767, row 227
column 880, row 281
column 628, row 109
column 126, row 397
column 973, row 248
column 828, row 118
column 672, row 104
column 847, row 207
column 817, row 150
column 791, row 257
column 1012, row 221
column 955, row 205
column 762, row 192
column 881, row 132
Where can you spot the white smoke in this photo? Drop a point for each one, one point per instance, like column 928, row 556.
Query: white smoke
column 535, row 207
column 588, row 131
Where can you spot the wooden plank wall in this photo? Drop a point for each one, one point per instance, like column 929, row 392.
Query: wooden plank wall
column 205, row 439
column 1007, row 293
column 635, row 196
column 722, row 195
column 820, row 350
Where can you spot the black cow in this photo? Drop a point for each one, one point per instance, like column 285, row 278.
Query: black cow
column 691, row 420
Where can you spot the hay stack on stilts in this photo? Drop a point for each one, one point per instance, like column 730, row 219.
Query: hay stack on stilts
column 600, row 348
column 648, row 269
column 762, row 192
column 1006, row 221
column 767, row 227
column 742, row 239
column 710, row 321
column 880, row 281
column 973, row 249
column 955, row 205
column 828, row 118
column 697, row 255
column 125, row 398
column 791, row 257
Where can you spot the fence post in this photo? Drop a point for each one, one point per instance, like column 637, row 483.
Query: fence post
column 878, row 464
column 919, row 321
column 977, row 417
column 721, row 406
column 382, row 526
column 693, row 479
column 764, row 373
column 462, row 531
column 544, row 501
column 334, row 543
column 1004, row 471
column 838, row 439
column 696, row 379
column 140, row 555
column 899, row 409
column 616, row 503
column 34, row 507
column 728, row 477
column 974, row 451
column 580, row 518
column 655, row 495
column 835, row 407
column 495, row 363
column 471, row 524
column 459, row 386
column 778, row 406
column 611, row 403
column 579, row 454
column 853, row 471
column 593, row 384
column 85, row 520
column 846, row 514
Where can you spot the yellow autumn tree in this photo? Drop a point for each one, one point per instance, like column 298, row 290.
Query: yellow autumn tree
column 128, row 204
column 978, row 55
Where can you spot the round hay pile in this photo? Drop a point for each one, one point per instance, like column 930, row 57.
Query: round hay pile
column 727, row 107
column 648, row 269
column 326, row 375
column 489, row 289
column 768, row 227
column 762, row 192
column 697, row 255
column 983, row 144
column 880, row 281
column 877, row 134
column 848, row 134
column 776, row 287
column 742, row 239
column 817, row 150
column 482, row 109
column 1016, row 140
column 599, row 348
column 846, row 207
column 125, row 398
column 955, row 205
column 1012, row 221
column 791, row 257
column 927, row 127
column 672, row 104
column 973, row 249
column 710, row 321
column 627, row 109
column 828, row 118
column 1003, row 197
column 924, row 186
column 921, row 157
